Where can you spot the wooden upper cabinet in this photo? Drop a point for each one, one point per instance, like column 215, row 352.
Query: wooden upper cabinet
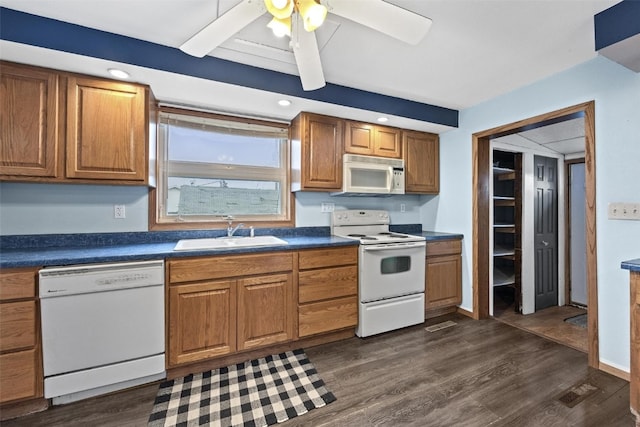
column 372, row 140
column 63, row 127
column 421, row 162
column 30, row 132
column 316, row 147
column 106, row 130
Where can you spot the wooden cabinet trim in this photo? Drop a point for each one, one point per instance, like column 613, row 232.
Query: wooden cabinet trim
column 18, row 325
column 18, row 283
column 325, row 316
column 222, row 266
column 327, row 283
column 19, row 375
column 444, row 247
column 327, row 257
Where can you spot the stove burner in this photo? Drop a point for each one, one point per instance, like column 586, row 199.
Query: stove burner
column 384, row 233
column 401, row 236
column 356, row 235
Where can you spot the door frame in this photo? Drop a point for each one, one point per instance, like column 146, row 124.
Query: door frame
column 567, row 227
column 481, row 147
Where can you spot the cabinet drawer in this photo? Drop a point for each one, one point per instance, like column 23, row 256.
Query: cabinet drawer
column 317, row 285
column 17, row 325
column 445, row 247
column 329, row 257
column 17, row 284
column 216, row 267
column 18, row 376
column 326, row 316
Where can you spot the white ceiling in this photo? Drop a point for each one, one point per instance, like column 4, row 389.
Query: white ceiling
column 565, row 138
column 475, row 50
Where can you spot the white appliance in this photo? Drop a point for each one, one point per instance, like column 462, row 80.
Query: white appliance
column 368, row 175
column 102, row 328
column 391, row 271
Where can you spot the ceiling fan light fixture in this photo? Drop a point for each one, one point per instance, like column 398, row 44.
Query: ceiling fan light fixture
column 280, row 27
column 280, row 9
column 313, row 13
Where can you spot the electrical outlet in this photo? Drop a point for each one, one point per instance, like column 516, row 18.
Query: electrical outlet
column 403, row 207
column 119, row 211
column 327, row 207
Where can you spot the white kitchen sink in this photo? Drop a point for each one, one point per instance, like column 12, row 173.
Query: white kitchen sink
column 227, row 243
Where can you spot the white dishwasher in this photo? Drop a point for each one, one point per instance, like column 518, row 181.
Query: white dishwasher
column 102, row 328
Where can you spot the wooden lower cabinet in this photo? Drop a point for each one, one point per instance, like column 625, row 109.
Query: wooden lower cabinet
column 202, row 321
column 327, row 290
column 224, row 304
column 21, row 376
column 443, row 287
column 265, row 310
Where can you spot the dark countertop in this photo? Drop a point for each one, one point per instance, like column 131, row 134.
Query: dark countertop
column 632, row 265
column 59, row 250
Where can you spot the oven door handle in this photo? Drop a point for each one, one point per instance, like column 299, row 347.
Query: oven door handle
column 394, row 246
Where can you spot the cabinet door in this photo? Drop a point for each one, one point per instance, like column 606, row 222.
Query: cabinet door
column 265, row 310
column 372, row 140
column 421, row 162
column 387, row 142
column 202, row 321
column 322, row 141
column 19, row 375
column 29, row 110
column 443, row 287
column 106, row 130
column 17, row 325
column 359, row 138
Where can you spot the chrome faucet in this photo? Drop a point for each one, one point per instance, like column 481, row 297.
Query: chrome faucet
column 230, row 228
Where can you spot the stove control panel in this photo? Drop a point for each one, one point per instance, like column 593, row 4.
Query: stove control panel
column 359, row 217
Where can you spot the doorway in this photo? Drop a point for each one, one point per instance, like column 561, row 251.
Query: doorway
column 481, row 211
column 576, row 273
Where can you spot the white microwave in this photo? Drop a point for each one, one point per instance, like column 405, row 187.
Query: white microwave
column 368, row 175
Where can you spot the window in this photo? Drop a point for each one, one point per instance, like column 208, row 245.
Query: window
column 211, row 166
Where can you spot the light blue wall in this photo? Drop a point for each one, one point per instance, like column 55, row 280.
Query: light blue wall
column 57, row 208
column 616, row 92
column 61, row 208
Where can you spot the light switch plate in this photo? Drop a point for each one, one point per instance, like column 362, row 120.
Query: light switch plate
column 619, row 210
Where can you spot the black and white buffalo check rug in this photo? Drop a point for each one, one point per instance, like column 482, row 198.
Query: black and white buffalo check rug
column 257, row 393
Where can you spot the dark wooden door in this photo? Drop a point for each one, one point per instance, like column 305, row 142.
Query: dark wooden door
column 546, row 231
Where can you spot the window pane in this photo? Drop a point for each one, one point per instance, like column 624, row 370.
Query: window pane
column 195, row 145
column 196, row 196
column 211, row 166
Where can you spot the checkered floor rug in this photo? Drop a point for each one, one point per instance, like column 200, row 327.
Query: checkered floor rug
column 257, row 393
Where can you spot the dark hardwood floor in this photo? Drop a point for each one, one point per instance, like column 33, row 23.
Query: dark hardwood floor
column 476, row 373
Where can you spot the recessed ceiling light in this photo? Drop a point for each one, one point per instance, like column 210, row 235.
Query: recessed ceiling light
column 382, row 119
column 118, row 73
column 284, row 103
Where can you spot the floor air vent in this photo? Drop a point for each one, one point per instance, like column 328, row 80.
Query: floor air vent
column 439, row 326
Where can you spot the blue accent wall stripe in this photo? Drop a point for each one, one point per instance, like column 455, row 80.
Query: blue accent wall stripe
column 48, row 33
column 617, row 23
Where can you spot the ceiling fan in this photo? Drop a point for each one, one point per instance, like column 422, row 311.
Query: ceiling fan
column 299, row 18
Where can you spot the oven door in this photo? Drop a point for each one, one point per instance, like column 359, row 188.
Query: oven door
column 391, row 269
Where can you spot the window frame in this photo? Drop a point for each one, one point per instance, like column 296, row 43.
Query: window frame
column 158, row 193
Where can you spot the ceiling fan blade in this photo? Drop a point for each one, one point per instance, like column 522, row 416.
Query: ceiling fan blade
column 305, row 50
column 225, row 26
column 387, row 18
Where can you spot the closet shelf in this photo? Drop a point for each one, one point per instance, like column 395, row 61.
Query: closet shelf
column 497, row 170
column 502, row 278
column 504, row 198
column 500, row 251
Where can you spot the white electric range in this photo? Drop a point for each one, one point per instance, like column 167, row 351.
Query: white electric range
column 391, row 271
